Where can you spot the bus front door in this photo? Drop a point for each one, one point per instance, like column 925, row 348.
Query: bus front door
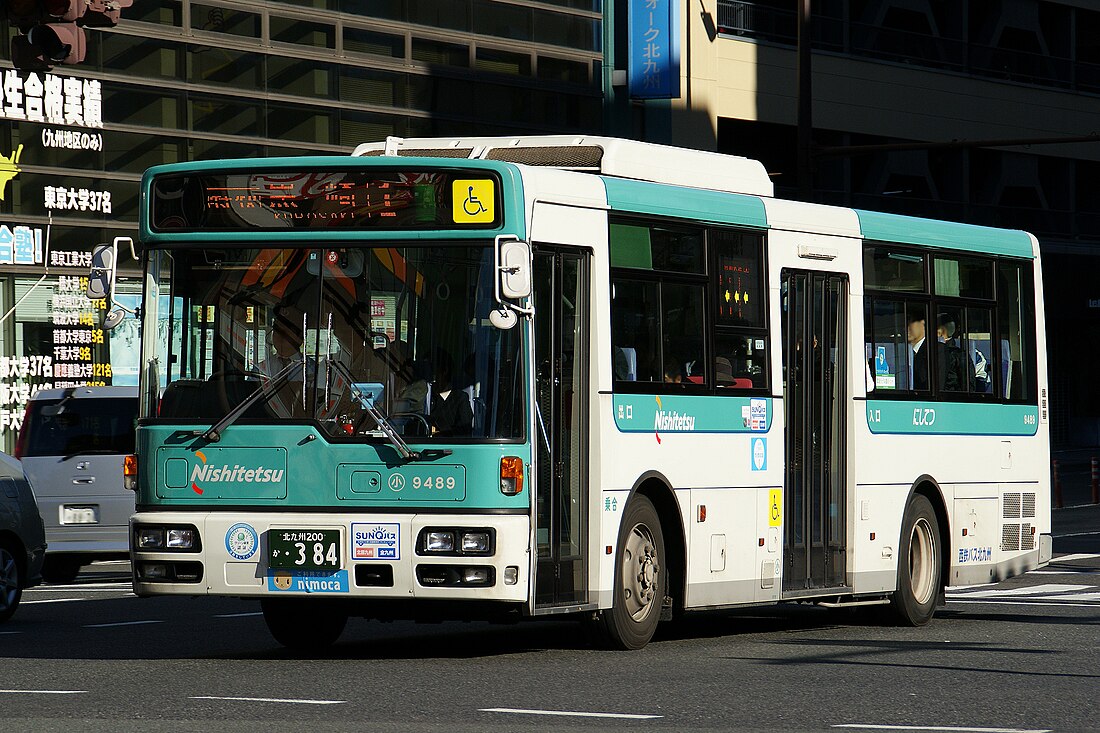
column 815, row 374
column 561, row 424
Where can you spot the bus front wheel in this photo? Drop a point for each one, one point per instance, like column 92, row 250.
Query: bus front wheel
column 640, row 579
column 303, row 624
column 919, row 566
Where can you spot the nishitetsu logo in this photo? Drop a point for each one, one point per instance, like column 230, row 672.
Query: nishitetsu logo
column 671, row 421
column 209, row 473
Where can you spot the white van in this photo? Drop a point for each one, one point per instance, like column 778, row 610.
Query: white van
column 72, row 445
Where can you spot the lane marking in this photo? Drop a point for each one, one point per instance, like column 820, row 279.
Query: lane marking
column 1075, row 534
column 43, row 692
column 238, row 615
column 52, row 600
column 1067, row 571
column 121, row 623
column 566, row 713
column 270, row 699
column 9, row 633
column 1022, row 602
column 82, row 586
column 958, row 729
column 1035, row 590
column 1078, row 556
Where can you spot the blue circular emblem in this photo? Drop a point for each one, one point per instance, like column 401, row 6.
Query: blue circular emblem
column 241, row 541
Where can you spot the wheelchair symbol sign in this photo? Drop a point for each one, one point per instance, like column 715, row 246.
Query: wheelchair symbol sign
column 775, row 508
column 473, row 201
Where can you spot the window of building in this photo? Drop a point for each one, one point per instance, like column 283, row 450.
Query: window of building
column 502, row 62
column 360, row 40
column 215, row 19
column 563, row 70
column 439, row 53
column 502, row 21
column 301, row 33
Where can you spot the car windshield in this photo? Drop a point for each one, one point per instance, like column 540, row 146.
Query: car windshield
column 63, row 427
column 404, row 330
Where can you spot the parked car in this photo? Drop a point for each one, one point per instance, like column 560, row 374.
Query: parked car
column 72, row 445
column 22, row 538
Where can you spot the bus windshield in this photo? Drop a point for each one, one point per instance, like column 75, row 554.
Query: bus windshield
column 401, row 329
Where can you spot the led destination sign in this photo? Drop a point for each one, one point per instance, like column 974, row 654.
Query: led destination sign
column 388, row 200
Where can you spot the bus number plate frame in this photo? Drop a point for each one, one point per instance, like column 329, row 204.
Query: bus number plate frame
column 304, row 549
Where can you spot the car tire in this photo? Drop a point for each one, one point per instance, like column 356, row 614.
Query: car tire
column 61, row 569
column 304, row 625
column 11, row 581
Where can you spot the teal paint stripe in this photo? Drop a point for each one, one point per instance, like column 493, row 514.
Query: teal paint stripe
column 648, row 413
column 513, row 223
column 887, row 417
column 716, row 207
column 946, row 234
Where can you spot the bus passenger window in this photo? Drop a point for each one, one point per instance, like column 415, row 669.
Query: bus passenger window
column 740, row 362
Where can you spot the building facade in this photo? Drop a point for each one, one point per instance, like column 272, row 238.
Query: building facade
column 948, row 80
column 179, row 80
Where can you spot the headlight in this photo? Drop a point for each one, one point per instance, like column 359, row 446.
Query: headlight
column 149, row 538
column 440, row 542
column 181, row 539
column 475, row 542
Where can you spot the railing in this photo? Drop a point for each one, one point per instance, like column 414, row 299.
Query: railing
column 750, row 20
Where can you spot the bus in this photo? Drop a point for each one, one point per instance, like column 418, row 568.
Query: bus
column 509, row 378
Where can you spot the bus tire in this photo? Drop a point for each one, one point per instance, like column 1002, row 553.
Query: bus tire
column 303, row 624
column 11, row 580
column 61, row 569
column 640, row 579
column 919, row 565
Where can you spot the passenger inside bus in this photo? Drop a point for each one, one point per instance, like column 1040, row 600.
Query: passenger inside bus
column 451, row 413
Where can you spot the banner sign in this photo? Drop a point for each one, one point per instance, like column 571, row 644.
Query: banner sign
column 653, row 29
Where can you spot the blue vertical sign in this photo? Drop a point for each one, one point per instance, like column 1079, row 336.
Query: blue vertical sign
column 654, row 31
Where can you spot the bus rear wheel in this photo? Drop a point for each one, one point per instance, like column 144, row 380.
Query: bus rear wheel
column 303, row 624
column 919, row 566
column 640, row 579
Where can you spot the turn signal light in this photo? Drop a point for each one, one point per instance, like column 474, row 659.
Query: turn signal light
column 129, row 472
column 511, row 475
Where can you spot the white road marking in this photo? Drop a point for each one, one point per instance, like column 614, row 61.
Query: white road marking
column 52, row 600
column 9, row 633
column 270, row 699
column 43, row 692
column 1021, row 602
column 121, row 623
column 1033, row 590
column 955, row 729
column 1075, row 534
column 566, row 713
column 1079, row 556
column 83, row 586
column 1067, row 571
column 238, row 615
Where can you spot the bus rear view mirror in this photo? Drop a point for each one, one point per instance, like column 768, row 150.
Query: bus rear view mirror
column 514, row 269
column 101, row 279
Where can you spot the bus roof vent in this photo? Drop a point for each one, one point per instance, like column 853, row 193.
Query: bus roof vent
column 608, row 156
column 424, row 152
column 576, row 157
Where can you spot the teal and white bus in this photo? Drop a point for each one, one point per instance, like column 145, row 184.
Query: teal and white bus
column 505, row 378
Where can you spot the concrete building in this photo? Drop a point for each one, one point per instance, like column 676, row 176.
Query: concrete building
column 920, row 71
column 182, row 80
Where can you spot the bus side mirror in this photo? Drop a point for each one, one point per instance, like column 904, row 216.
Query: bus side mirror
column 515, row 269
column 101, row 279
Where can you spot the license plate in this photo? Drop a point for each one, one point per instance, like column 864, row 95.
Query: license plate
column 303, row 549
column 80, row 514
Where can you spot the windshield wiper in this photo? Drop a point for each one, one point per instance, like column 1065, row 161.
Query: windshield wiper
column 383, row 424
column 262, row 395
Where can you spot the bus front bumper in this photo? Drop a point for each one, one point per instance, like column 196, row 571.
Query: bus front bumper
column 381, row 556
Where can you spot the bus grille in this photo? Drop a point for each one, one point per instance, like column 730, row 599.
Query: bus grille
column 1012, row 506
column 574, row 156
column 1010, row 537
column 1029, row 506
column 1027, row 539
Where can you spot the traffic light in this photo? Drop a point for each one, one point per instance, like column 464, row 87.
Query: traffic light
column 52, row 31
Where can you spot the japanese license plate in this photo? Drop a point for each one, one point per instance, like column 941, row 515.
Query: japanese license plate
column 79, row 514
column 303, row 549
